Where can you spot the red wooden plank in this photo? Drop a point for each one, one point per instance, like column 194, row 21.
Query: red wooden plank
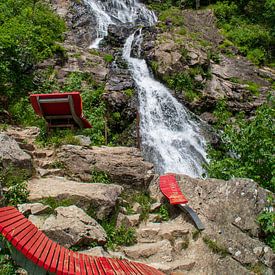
column 17, row 234
column 44, row 254
column 49, row 258
column 82, row 264
column 66, row 262
column 98, row 266
column 35, row 247
column 93, row 265
column 59, row 269
column 26, row 238
column 87, row 264
column 8, row 211
column 8, row 230
column 39, row 251
column 116, row 266
column 54, row 262
column 139, row 268
column 71, row 262
column 108, row 269
column 126, row 265
column 7, row 208
column 77, row 264
column 32, row 242
column 10, row 219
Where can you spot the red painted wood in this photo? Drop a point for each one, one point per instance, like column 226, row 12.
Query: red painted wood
column 131, row 269
column 8, row 211
column 106, row 266
column 54, row 263
column 44, row 254
column 31, row 243
column 82, row 264
column 26, row 238
column 71, row 263
column 9, row 219
column 18, row 233
column 66, row 262
column 35, row 247
column 7, row 208
column 8, row 230
column 93, row 265
column 50, row 256
column 59, row 269
column 88, row 266
column 98, row 266
column 139, row 267
column 77, row 264
column 119, row 270
column 170, row 188
column 40, row 250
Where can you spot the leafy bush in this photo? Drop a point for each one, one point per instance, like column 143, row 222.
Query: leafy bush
column 7, row 266
column 173, row 15
column 247, row 150
column 100, row 177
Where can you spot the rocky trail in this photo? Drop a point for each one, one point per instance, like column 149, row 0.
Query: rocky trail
column 228, row 209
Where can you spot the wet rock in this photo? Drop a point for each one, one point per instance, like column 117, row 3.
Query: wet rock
column 100, row 198
column 12, row 155
column 71, row 225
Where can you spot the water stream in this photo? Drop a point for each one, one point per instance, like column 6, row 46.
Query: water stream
column 171, row 139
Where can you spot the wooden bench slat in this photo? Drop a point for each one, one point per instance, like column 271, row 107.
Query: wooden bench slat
column 9, row 211
column 91, row 260
column 9, row 219
column 40, row 249
column 54, row 262
column 77, row 264
column 98, row 266
column 7, row 208
column 36, row 245
column 17, row 234
column 138, row 267
column 125, row 265
column 49, row 258
column 32, row 241
column 59, row 269
column 7, row 231
column 65, row 270
column 82, row 264
column 116, row 267
column 26, row 238
column 71, row 262
column 45, row 252
column 106, row 266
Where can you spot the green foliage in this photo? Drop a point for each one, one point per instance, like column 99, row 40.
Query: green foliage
column 7, row 266
column 28, row 34
column 164, row 212
column 266, row 221
column 108, row 58
column 15, row 181
column 118, row 235
column 247, row 150
column 54, row 202
column 100, row 177
column 145, row 201
column 173, row 15
column 215, row 247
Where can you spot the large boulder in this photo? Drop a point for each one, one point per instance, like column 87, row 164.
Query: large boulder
column 228, row 210
column 72, row 226
column 123, row 165
column 12, row 155
column 96, row 197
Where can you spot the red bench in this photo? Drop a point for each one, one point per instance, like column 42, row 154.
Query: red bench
column 43, row 256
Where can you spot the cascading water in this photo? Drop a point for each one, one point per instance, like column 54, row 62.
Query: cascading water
column 116, row 12
column 170, row 138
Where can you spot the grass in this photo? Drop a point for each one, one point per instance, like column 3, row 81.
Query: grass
column 54, row 202
column 215, row 247
column 100, row 177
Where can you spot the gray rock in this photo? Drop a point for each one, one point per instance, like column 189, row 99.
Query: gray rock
column 71, row 225
column 97, row 251
column 33, row 208
column 127, row 220
column 100, row 198
column 84, row 140
column 12, row 155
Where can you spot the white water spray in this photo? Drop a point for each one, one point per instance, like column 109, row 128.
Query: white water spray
column 170, row 138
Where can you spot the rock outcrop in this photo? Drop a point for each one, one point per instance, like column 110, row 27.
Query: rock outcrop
column 11, row 155
column 124, row 166
column 96, row 197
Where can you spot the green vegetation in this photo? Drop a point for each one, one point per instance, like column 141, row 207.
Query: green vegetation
column 7, row 265
column 215, row 247
column 247, row 150
column 29, row 31
column 14, row 179
column 267, row 222
column 54, row 203
column 108, row 58
column 164, row 212
column 100, row 177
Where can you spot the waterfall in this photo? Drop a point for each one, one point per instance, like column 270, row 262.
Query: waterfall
column 171, row 139
column 116, row 12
